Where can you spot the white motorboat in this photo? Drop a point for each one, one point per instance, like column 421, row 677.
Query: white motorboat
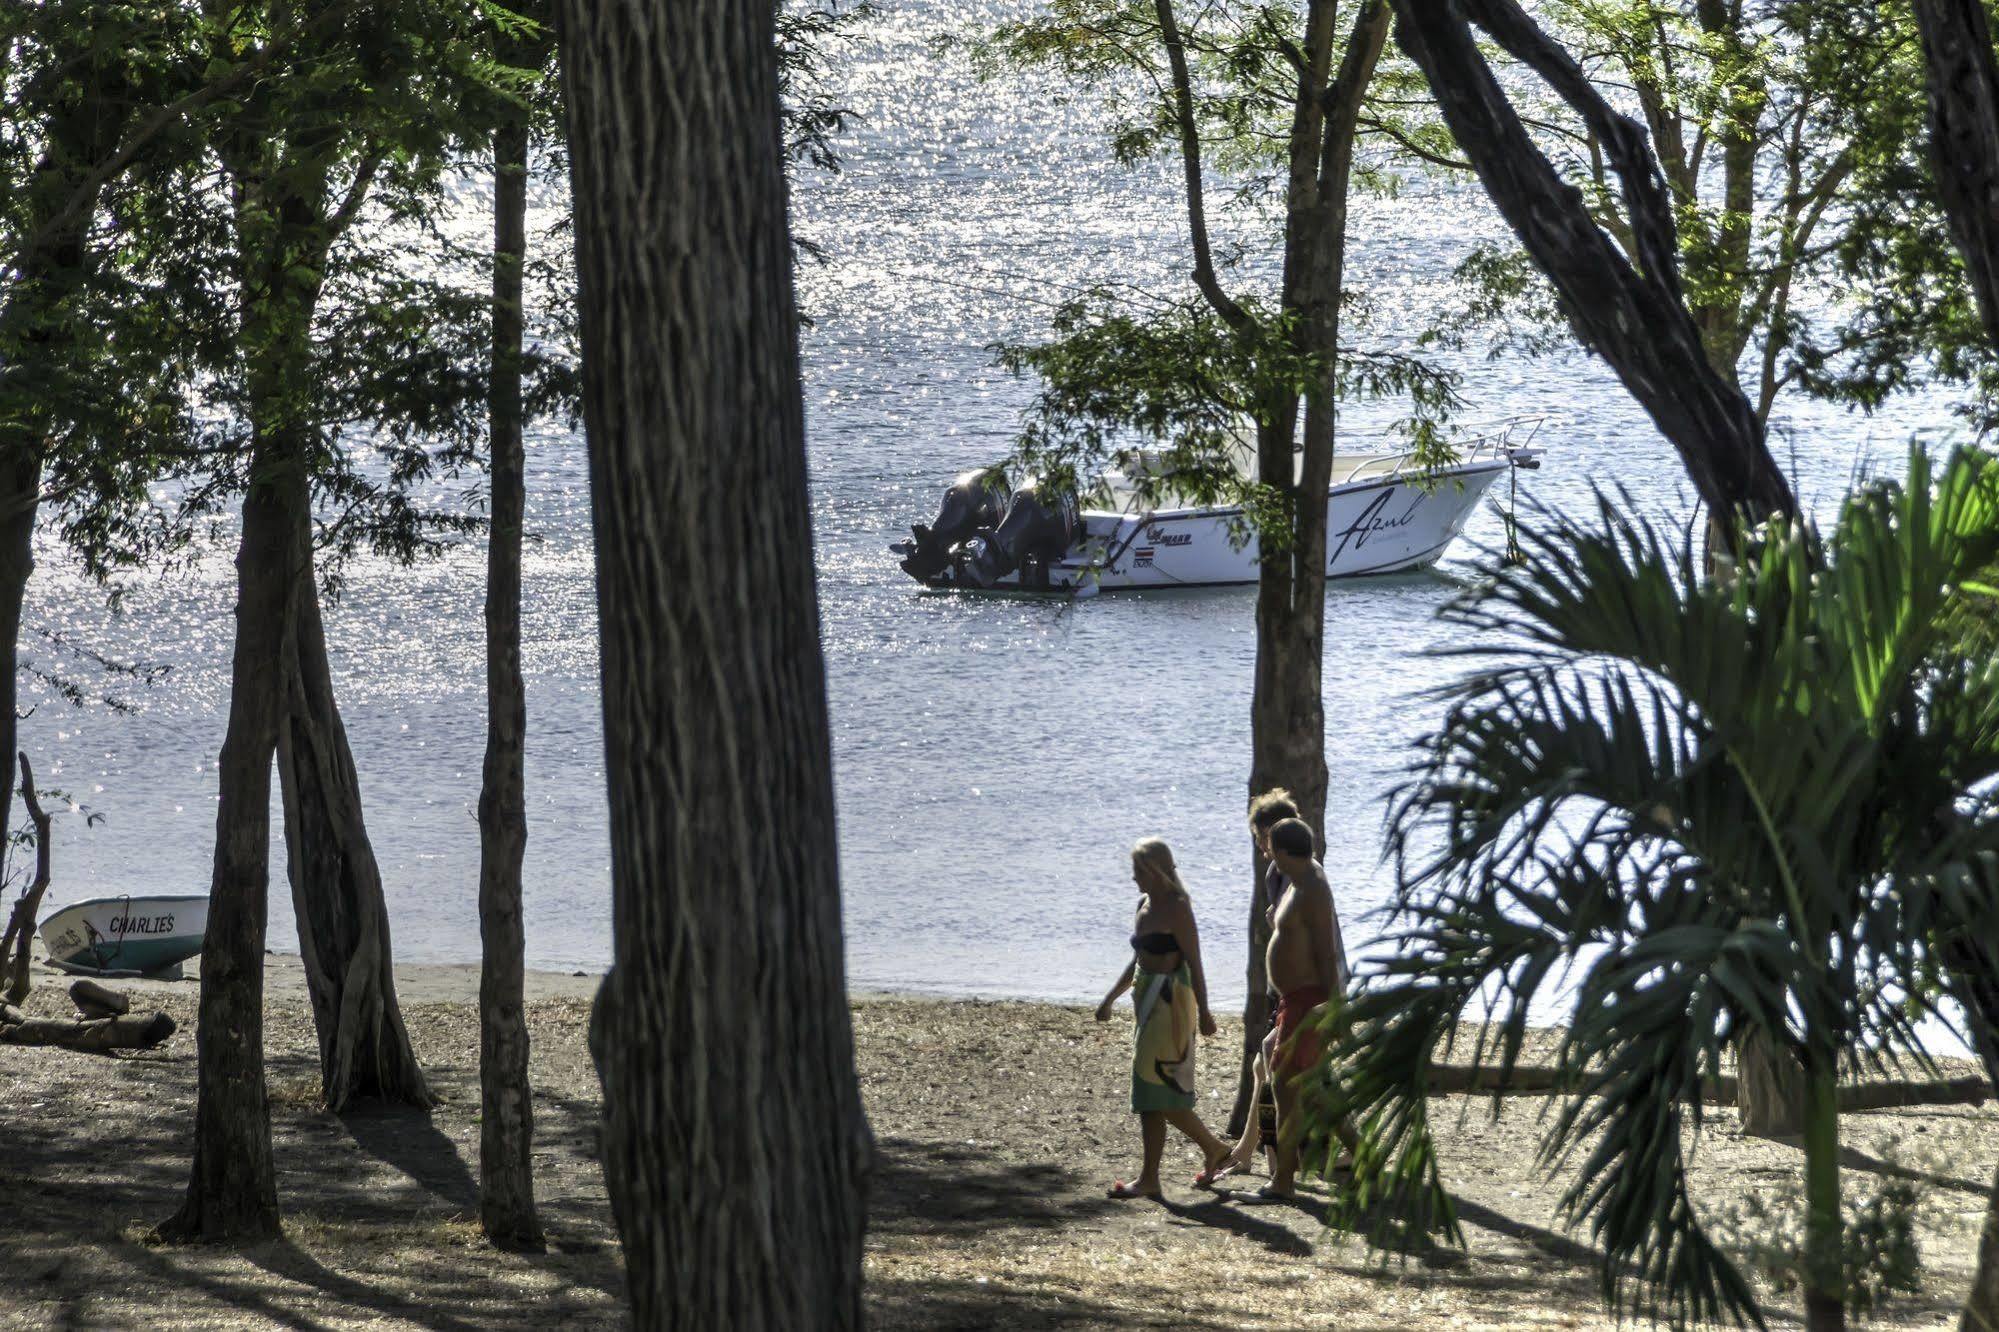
column 126, row 936
column 1384, row 515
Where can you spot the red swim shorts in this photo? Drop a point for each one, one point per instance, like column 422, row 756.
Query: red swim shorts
column 1297, row 1046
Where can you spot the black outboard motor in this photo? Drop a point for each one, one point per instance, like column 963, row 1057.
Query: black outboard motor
column 1037, row 531
column 975, row 500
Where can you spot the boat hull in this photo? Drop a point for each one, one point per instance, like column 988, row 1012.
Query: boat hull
column 1390, row 525
column 136, row 935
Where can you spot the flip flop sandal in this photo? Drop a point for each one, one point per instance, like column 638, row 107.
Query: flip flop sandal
column 1125, row 1192
column 1264, row 1198
column 1219, row 1171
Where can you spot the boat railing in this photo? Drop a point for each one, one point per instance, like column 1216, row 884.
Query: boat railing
column 1493, row 442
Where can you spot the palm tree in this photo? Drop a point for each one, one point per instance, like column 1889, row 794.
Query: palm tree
column 1683, row 811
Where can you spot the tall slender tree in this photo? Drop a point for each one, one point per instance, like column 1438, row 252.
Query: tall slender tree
column 1288, row 92
column 330, row 330
column 735, row 1145
column 506, row 1122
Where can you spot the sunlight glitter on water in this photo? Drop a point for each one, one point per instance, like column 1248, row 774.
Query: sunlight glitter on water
column 995, row 760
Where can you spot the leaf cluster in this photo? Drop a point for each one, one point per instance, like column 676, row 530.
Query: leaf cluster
column 1166, row 396
column 1679, row 811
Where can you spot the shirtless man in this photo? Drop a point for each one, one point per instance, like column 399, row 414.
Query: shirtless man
column 1307, row 966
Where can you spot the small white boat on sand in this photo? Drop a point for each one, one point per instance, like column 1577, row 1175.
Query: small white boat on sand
column 1383, row 515
column 126, row 936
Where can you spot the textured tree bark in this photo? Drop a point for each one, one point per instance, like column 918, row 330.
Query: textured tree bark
column 736, row 1150
column 343, row 922
column 232, row 1191
column 1287, row 703
column 1770, row 1090
column 1636, row 318
column 287, row 225
column 1964, row 137
column 506, row 1123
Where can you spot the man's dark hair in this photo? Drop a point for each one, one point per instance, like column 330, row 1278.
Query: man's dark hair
column 1271, row 806
column 1293, row 837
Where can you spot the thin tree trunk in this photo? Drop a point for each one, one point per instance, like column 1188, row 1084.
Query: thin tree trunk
column 1287, row 706
column 736, row 1151
column 20, row 493
column 1825, row 1267
column 17, row 948
column 506, row 1121
column 232, row 1190
column 343, row 923
column 336, row 885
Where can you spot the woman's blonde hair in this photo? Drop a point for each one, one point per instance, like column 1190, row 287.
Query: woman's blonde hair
column 1155, row 855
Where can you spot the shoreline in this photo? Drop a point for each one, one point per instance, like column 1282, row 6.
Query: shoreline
column 458, row 982
column 997, row 1123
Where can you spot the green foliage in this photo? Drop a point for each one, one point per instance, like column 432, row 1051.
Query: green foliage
column 1167, row 396
column 1792, row 135
column 1682, row 810
column 806, row 40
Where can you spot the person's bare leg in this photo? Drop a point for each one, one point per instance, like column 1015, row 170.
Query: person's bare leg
column 1244, row 1154
column 1284, row 1160
column 1213, row 1150
column 1152, row 1129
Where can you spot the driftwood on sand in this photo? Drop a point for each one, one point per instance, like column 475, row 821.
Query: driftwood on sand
column 104, row 1023
column 1538, row 1080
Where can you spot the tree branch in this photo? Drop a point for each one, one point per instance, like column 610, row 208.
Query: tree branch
column 1190, row 156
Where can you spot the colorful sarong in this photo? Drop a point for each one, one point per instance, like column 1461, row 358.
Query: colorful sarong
column 1162, row 1061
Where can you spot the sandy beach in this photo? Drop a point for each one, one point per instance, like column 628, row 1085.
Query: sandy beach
column 998, row 1124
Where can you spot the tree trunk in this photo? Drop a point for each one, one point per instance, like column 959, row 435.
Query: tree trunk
column 232, row 1191
column 1981, row 1307
column 1770, row 1088
column 506, row 1121
column 1287, row 705
column 1635, row 318
column 736, row 1150
column 1964, row 137
column 17, row 948
column 343, row 923
column 20, row 496
column 1825, row 1260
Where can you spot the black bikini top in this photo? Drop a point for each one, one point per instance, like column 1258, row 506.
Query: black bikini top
column 1159, row 941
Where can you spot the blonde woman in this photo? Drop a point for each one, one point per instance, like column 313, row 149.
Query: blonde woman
column 1171, row 996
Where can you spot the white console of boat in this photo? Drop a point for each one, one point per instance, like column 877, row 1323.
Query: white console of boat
column 1384, row 515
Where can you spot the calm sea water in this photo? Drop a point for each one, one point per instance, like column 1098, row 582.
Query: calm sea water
column 995, row 760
